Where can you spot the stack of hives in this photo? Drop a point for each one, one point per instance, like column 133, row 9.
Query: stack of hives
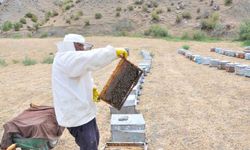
column 243, row 55
column 238, row 69
column 127, row 125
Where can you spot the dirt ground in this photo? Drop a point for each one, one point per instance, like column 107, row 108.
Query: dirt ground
column 185, row 105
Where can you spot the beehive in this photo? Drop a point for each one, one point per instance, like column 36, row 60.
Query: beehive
column 247, row 71
column 206, row 60
column 198, row 59
column 247, row 56
column 222, row 65
column 217, row 50
column 214, row 63
column 127, row 128
column 240, row 55
column 231, row 54
column 212, row 50
column 240, row 70
column 120, row 84
column 129, row 107
column 230, row 67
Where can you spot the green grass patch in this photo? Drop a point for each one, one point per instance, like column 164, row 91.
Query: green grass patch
column 244, row 34
column 3, row 62
column 156, row 31
column 44, row 35
column 14, row 61
column 228, row 2
column 48, row 59
column 28, row 61
column 246, row 43
column 186, row 47
column 98, row 16
column 211, row 22
column 7, row 25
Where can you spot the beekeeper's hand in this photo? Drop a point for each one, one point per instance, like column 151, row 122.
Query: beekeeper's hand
column 121, row 52
column 95, row 95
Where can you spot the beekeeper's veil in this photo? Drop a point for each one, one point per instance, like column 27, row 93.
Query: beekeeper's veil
column 68, row 42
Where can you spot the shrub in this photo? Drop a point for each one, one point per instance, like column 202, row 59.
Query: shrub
column 34, row 18
column 3, row 63
column 139, row 2
column 36, row 26
column 67, row 1
column 98, row 16
column 87, row 23
column 7, row 25
column 246, row 43
column 185, row 36
column 155, row 16
column 118, row 9
column 245, row 31
column 178, row 19
column 48, row 14
column 211, row 22
column 117, row 14
column 186, row 47
column 198, row 10
column 156, row 31
column 44, row 35
column 16, row 36
column 29, row 15
column 76, row 17
column 79, row 13
column 68, row 21
column 23, row 21
column 17, row 26
column 28, row 61
column 67, row 7
column 130, row 8
column 199, row 36
column 48, row 59
column 155, row 4
column 123, row 26
column 228, row 2
column 186, row 15
column 14, row 61
column 144, row 8
column 54, row 13
column 159, row 11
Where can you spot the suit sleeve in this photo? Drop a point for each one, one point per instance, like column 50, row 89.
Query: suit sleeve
column 78, row 63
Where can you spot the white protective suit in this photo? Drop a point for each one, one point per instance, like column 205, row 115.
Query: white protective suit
column 72, row 83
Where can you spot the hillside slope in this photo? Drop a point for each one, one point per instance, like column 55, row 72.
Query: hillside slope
column 119, row 16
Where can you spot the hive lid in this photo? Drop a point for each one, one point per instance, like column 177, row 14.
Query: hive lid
column 127, row 119
column 120, row 84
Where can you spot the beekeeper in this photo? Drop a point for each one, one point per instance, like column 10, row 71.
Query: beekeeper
column 73, row 87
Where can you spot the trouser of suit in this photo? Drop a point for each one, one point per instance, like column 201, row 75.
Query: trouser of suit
column 86, row 136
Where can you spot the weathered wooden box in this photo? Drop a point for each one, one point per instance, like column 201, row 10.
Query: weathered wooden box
column 126, row 146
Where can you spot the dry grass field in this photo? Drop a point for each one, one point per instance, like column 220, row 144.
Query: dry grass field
column 185, row 105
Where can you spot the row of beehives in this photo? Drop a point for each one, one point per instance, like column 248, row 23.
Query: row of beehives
column 238, row 69
column 127, row 124
column 230, row 53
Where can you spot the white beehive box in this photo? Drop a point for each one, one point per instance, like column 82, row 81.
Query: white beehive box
column 127, row 128
column 129, row 107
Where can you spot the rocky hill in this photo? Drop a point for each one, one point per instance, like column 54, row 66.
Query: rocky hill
column 220, row 18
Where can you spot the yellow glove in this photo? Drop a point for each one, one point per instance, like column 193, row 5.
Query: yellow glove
column 121, row 52
column 95, row 95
